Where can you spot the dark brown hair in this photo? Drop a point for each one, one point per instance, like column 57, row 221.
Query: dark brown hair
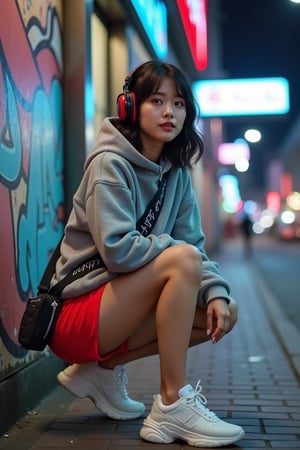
column 187, row 147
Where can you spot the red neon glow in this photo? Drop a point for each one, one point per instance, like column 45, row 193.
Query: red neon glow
column 286, row 184
column 273, row 201
column 194, row 18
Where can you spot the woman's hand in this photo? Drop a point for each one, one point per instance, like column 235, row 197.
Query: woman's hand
column 221, row 318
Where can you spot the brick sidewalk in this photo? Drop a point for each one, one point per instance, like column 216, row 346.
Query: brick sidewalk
column 248, row 379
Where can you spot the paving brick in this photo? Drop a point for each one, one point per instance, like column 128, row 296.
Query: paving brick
column 248, row 379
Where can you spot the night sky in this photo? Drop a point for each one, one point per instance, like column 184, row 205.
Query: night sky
column 261, row 38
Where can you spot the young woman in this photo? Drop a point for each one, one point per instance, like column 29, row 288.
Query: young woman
column 153, row 293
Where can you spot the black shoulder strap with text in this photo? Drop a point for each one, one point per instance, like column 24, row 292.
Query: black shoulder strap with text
column 144, row 225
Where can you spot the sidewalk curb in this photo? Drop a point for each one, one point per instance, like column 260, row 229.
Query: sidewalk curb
column 285, row 330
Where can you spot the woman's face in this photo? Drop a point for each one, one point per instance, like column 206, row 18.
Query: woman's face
column 161, row 118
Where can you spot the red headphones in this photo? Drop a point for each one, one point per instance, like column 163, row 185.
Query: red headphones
column 126, row 104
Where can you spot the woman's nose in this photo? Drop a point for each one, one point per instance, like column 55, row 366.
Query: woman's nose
column 168, row 111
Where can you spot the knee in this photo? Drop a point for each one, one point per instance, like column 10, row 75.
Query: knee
column 186, row 260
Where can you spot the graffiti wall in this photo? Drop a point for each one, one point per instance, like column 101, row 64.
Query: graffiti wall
column 31, row 159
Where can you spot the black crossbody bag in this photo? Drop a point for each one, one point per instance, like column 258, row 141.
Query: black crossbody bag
column 41, row 312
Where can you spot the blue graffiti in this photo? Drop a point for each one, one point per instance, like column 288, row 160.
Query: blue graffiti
column 10, row 144
column 39, row 229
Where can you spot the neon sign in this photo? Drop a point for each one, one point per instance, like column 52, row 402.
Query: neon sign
column 242, row 97
column 231, row 152
column 153, row 16
column 194, row 18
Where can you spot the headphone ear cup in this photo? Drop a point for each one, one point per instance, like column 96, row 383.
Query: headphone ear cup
column 121, row 107
column 126, row 107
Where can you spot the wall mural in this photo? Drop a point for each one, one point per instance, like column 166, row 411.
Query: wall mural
column 31, row 159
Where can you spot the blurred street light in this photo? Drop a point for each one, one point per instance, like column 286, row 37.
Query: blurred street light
column 252, row 135
column 242, row 165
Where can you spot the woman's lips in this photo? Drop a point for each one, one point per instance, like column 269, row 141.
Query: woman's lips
column 167, row 126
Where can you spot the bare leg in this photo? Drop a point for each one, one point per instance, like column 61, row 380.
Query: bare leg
column 167, row 286
column 142, row 345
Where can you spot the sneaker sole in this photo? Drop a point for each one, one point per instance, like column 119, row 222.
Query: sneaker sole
column 70, row 384
column 168, row 433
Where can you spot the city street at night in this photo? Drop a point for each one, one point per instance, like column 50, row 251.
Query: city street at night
column 278, row 263
column 136, row 138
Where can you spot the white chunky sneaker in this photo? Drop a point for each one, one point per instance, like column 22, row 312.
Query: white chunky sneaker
column 106, row 388
column 188, row 419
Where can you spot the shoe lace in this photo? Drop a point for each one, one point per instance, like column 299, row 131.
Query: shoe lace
column 122, row 380
column 201, row 401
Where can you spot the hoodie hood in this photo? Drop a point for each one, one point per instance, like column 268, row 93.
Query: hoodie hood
column 110, row 139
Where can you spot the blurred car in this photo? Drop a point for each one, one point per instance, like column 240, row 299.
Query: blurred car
column 288, row 232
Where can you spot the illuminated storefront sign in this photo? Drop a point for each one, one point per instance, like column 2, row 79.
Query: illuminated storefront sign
column 231, row 152
column 194, row 19
column 230, row 191
column 153, row 16
column 242, row 97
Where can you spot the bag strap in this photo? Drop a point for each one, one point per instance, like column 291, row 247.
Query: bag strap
column 144, row 225
column 85, row 267
column 43, row 287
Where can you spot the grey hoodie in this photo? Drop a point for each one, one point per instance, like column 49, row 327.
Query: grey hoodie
column 117, row 185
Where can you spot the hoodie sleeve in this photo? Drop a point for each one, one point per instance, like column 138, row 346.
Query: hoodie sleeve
column 188, row 228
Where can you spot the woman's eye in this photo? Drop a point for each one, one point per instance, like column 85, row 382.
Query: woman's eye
column 157, row 101
column 180, row 103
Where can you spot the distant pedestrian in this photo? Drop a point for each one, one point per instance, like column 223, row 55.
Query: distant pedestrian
column 246, row 226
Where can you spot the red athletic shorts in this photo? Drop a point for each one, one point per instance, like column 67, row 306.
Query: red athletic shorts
column 75, row 338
